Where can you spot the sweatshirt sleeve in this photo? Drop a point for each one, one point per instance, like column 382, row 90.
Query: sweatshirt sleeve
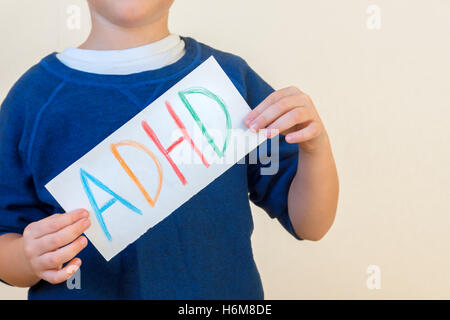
column 19, row 204
column 269, row 182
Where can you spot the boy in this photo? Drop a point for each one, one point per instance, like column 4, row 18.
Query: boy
column 68, row 103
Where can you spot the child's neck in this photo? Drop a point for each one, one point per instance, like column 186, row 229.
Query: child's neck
column 106, row 36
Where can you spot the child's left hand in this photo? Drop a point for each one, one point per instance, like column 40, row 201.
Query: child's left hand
column 291, row 112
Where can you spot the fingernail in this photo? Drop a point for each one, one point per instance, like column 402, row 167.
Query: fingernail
column 72, row 270
column 288, row 138
column 86, row 223
column 254, row 127
column 248, row 121
column 84, row 213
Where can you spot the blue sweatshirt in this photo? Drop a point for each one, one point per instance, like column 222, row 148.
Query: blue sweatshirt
column 54, row 114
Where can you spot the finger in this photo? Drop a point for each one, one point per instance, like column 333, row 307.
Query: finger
column 277, row 109
column 55, row 259
column 55, row 222
column 308, row 133
column 289, row 120
column 270, row 100
column 61, row 238
column 58, row 276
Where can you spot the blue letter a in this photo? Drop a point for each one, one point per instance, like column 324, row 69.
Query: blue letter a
column 99, row 211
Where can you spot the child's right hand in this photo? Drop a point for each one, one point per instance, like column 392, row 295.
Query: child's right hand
column 53, row 241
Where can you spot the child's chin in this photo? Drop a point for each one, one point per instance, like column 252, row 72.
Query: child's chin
column 134, row 13
column 131, row 20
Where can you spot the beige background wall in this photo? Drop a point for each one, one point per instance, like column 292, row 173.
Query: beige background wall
column 384, row 95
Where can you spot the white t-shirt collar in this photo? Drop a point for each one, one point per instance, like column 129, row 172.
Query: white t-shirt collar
column 128, row 61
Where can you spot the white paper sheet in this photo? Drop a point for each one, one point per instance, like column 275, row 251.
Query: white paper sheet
column 129, row 179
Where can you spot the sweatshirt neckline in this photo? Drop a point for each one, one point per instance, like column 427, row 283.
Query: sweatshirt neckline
column 191, row 57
